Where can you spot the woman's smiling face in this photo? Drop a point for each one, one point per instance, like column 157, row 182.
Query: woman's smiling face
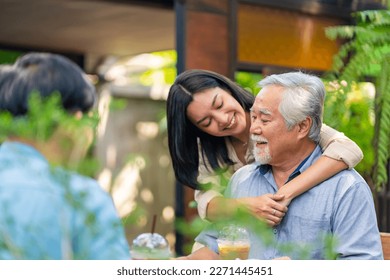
column 216, row 112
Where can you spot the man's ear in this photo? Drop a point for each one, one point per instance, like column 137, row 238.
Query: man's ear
column 304, row 127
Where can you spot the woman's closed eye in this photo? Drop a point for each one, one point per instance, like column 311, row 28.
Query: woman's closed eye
column 217, row 102
column 206, row 122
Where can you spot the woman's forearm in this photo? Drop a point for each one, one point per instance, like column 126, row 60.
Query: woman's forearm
column 322, row 169
column 221, row 207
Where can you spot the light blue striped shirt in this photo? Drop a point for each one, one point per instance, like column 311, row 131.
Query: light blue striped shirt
column 341, row 206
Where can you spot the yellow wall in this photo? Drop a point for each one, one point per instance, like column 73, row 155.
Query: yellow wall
column 284, row 38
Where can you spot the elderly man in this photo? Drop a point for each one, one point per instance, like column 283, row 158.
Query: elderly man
column 286, row 122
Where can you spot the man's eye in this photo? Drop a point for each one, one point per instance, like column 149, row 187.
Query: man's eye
column 264, row 121
column 220, row 106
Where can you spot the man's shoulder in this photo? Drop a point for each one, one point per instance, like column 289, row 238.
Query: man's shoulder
column 246, row 170
column 351, row 175
column 348, row 180
column 245, row 173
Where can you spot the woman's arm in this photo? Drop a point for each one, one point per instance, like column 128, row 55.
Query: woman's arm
column 340, row 153
column 318, row 172
column 208, row 204
column 220, row 207
column 337, row 146
column 213, row 206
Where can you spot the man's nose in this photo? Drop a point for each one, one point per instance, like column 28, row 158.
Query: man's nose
column 255, row 127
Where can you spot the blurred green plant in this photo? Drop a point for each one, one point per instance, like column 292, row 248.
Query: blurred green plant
column 43, row 120
column 366, row 56
column 164, row 71
column 8, row 56
column 249, row 81
column 117, row 104
column 350, row 109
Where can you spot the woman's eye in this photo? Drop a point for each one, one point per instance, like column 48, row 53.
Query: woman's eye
column 218, row 102
column 207, row 123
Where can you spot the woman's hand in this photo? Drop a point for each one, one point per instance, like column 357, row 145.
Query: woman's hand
column 286, row 200
column 268, row 207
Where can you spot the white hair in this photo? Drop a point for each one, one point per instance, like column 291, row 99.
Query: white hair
column 303, row 96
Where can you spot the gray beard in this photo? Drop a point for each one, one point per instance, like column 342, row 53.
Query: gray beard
column 264, row 158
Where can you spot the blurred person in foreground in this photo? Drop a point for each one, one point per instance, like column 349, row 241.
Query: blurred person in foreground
column 46, row 211
column 286, row 121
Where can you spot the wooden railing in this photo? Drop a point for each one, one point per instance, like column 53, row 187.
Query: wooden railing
column 385, row 237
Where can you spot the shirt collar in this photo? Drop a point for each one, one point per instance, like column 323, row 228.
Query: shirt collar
column 264, row 168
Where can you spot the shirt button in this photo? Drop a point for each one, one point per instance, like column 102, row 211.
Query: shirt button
column 275, row 231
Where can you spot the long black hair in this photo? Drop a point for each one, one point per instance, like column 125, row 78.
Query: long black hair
column 183, row 135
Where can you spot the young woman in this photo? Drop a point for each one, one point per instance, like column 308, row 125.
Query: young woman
column 208, row 131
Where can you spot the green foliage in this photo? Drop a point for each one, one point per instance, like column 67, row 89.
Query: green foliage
column 44, row 119
column 117, row 104
column 350, row 109
column 383, row 128
column 367, row 55
column 369, row 44
column 9, row 57
column 133, row 218
column 249, row 81
column 218, row 181
column 39, row 124
column 166, row 70
column 330, row 245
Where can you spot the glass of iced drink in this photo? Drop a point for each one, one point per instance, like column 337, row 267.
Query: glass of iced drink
column 233, row 243
column 150, row 246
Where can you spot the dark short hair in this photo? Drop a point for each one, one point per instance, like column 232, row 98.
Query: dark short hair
column 45, row 73
column 183, row 136
column 8, row 74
